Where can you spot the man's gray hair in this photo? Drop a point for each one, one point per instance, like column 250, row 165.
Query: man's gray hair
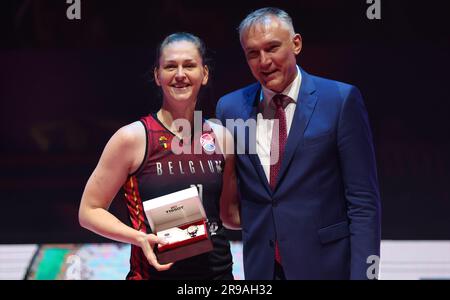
column 261, row 15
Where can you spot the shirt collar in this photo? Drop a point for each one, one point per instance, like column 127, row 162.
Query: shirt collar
column 291, row 90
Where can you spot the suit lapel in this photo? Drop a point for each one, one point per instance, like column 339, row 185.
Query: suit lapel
column 250, row 136
column 306, row 101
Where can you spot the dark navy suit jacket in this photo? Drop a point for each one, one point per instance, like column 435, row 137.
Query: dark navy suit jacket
column 325, row 209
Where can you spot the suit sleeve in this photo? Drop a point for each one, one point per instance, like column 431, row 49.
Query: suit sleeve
column 357, row 158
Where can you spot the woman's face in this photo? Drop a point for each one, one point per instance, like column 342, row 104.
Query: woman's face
column 181, row 72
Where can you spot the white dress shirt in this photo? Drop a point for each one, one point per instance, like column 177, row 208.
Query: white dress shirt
column 264, row 120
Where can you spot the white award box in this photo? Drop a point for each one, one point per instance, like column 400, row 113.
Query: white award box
column 180, row 219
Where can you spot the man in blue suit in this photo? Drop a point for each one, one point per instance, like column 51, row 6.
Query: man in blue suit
column 309, row 198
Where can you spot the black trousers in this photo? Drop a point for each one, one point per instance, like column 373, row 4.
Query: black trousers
column 225, row 276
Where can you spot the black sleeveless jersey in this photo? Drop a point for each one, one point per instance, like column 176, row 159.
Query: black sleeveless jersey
column 165, row 170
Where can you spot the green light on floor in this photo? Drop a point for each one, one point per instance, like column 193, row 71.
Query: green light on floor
column 51, row 263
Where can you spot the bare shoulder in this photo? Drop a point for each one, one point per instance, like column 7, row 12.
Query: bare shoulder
column 127, row 146
column 130, row 134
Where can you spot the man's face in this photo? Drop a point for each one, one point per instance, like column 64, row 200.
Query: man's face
column 271, row 52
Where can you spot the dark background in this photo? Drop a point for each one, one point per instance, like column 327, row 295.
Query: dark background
column 67, row 85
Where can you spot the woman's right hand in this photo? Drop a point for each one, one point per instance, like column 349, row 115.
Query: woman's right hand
column 147, row 242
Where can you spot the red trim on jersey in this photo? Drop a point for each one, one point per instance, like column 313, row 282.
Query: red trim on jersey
column 138, row 262
column 134, row 204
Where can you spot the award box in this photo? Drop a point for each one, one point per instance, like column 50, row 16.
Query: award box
column 180, row 219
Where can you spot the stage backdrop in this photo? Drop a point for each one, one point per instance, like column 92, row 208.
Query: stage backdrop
column 67, row 85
